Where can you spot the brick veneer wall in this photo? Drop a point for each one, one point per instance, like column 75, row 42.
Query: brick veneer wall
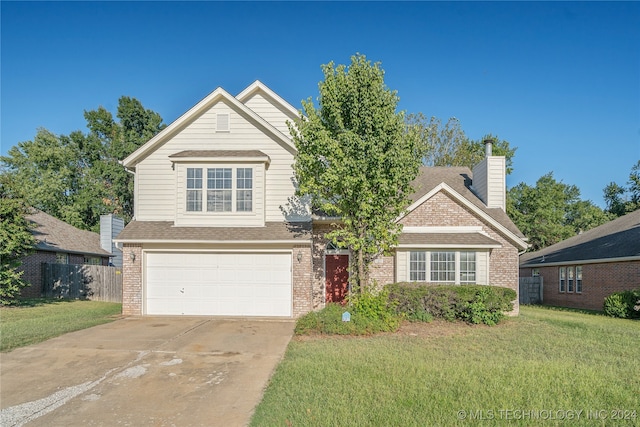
column 441, row 210
column 303, row 301
column 132, row 280
column 32, row 268
column 383, row 271
column 598, row 282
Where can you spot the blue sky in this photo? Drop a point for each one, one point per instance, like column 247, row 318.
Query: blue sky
column 560, row 81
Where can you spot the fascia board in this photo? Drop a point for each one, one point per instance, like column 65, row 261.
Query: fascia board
column 196, row 110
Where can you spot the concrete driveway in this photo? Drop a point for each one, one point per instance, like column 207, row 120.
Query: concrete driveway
column 145, row 371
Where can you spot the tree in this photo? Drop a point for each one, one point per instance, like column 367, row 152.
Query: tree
column 77, row 177
column 448, row 145
column 551, row 211
column 356, row 160
column 622, row 200
column 16, row 241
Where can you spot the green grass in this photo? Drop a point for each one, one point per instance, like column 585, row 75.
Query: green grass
column 34, row 321
column 544, row 360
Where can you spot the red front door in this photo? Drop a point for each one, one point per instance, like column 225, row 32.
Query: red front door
column 337, row 277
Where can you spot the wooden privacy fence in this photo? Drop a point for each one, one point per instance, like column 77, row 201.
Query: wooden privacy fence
column 531, row 290
column 94, row 282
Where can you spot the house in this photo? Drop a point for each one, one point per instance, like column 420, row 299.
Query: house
column 58, row 242
column 582, row 271
column 217, row 228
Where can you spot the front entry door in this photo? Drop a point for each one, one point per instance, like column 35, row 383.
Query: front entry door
column 337, row 277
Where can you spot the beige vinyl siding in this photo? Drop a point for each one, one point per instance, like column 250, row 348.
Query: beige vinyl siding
column 482, row 268
column 157, row 180
column 489, row 181
column 270, row 112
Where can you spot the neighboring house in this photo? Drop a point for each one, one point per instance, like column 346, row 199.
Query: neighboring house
column 218, row 229
column 582, row 271
column 58, row 242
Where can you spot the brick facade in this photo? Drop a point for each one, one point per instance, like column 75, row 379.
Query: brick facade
column 303, row 301
column 32, row 268
column 442, row 210
column 132, row 280
column 598, row 282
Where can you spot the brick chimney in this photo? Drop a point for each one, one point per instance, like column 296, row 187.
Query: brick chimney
column 489, row 179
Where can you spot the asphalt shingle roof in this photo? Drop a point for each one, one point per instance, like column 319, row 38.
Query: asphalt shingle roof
column 57, row 236
column 619, row 238
column 475, row 239
column 165, row 231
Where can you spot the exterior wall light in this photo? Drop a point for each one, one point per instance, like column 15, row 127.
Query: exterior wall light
column 299, row 256
column 132, row 255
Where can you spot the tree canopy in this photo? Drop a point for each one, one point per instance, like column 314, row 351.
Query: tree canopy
column 448, row 145
column 621, row 200
column 356, row 159
column 551, row 211
column 16, row 241
column 77, row 177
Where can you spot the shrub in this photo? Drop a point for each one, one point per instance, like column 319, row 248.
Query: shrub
column 472, row 303
column 369, row 320
column 623, row 304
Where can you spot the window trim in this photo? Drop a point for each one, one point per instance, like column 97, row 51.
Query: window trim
column 415, row 275
column 204, row 189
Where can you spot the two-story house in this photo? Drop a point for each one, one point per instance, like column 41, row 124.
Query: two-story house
column 218, row 229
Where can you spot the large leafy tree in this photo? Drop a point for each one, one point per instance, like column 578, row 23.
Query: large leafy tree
column 621, row 200
column 551, row 211
column 356, row 159
column 16, row 241
column 448, row 145
column 77, row 177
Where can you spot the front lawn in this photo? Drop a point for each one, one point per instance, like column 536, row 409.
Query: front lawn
column 38, row 320
column 546, row 367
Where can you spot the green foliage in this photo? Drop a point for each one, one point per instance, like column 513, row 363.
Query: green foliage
column 448, row 145
column 551, row 211
column 356, row 160
column 374, row 306
column 16, row 241
column 625, row 304
column 471, row 303
column 329, row 320
column 77, row 177
column 622, row 200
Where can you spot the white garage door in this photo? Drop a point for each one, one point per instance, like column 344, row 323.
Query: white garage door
column 225, row 284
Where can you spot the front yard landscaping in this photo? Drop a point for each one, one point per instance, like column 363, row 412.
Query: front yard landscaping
column 35, row 321
column 545, row 367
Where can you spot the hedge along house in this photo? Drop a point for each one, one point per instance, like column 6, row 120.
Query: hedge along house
column 218, row 229
column 582, row 271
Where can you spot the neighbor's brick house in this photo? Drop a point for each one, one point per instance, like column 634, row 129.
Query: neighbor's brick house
column 58, row 242
column 218, row 229
column 582, row 271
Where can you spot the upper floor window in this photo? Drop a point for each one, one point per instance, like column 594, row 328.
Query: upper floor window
column 223, row 191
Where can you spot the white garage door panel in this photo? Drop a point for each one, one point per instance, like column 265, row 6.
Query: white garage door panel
column 240, row 284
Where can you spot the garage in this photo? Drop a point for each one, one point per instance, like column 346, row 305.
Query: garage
column 218, row 284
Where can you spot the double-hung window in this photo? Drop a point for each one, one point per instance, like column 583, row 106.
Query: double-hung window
column 219, row 190
column 563, row 279
column 418, row 266
column 194, row 189
column 579, row 279
column 244, row 189
column 569, row 279
column 443, row 266
column 227, row 189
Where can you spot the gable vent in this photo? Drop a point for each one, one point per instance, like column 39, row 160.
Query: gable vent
column 222, row 122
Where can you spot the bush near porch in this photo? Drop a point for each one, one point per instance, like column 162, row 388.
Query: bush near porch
column 383, row 311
